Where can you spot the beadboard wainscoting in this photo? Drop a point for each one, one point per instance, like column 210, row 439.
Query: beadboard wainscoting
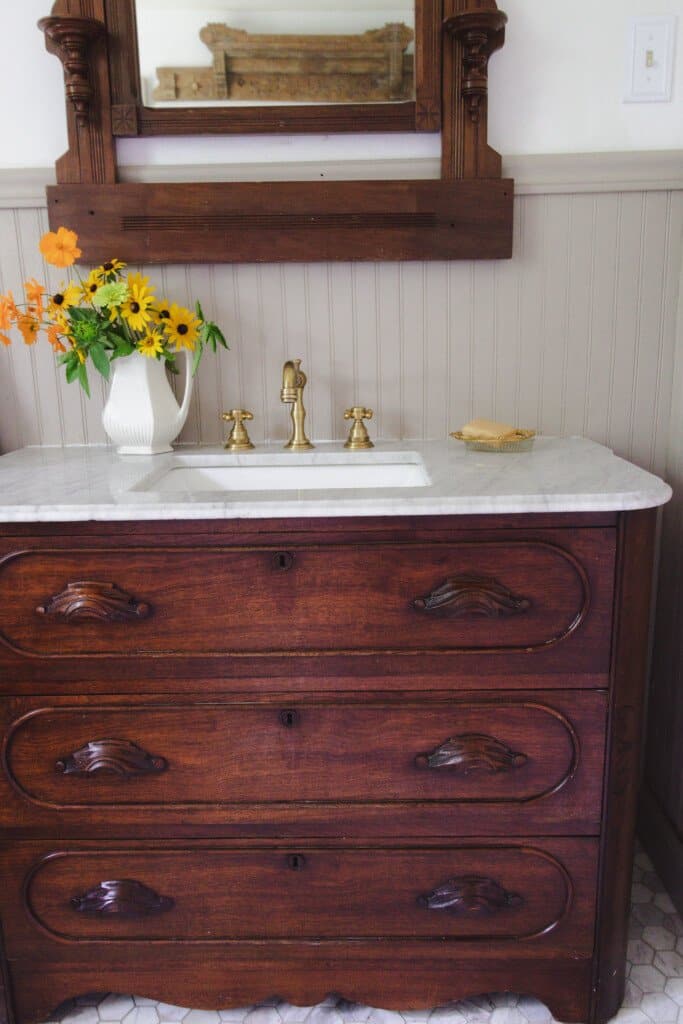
column 580, row 333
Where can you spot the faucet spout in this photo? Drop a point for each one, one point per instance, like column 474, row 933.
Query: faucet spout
column 292, row 393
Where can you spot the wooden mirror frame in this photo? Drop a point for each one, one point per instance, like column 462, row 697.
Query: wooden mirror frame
column 467, row 213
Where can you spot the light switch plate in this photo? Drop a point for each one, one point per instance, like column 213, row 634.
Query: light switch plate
column 650, row 59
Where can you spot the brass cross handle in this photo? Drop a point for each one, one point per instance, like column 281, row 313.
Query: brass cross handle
column 358, row 435
column 238, row 440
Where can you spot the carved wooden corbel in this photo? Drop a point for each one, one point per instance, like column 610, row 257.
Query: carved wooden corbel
column 481, row 33
column 70, row 40
column 473, row 30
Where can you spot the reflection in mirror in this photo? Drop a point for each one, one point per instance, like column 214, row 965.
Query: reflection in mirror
column 233, row 52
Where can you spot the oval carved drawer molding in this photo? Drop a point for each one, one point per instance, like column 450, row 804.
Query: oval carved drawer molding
column 226, row 894
column 472, row 752
column 519, row 596
column 124, row 897
column 460, row 596
column 87, row 599
column 516, row 750
column 113, row 756
column 470, row 895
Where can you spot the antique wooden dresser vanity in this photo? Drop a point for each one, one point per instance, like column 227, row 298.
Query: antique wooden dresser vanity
column 393, row 757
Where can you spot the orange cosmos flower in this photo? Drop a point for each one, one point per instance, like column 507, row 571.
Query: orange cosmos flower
column 34, row 296
column 29, row 327
column 4, row 339
column 59, row 247
column 54, row 333
column 8, row 311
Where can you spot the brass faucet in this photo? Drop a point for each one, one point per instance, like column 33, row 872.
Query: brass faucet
column 292, row 393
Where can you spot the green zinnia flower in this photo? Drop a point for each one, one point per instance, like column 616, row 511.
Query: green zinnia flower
column 113, row 294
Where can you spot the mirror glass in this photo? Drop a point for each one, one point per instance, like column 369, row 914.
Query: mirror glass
column 274, row 52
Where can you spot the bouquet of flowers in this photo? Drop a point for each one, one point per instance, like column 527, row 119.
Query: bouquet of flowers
column 104, row 316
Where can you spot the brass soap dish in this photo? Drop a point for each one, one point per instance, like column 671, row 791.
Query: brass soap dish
column 521, row 441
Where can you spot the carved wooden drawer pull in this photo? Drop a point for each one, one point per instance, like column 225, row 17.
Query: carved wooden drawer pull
column 88, row 599
column 470, row 896
column 114, row 757
column 462, row 596
column 124, row 897
column 472, row 752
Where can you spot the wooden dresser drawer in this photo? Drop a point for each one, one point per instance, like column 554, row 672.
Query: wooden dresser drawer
column 541, row 890
column 509, row 595
column 499, row 764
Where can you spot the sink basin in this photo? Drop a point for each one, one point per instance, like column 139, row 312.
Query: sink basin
column 287, row 472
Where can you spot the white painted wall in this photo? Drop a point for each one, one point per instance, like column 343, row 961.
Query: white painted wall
column 556, row 88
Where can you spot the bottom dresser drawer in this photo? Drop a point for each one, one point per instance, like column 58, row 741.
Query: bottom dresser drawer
column 540, row 891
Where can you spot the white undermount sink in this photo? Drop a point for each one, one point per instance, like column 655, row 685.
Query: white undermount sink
column 287, row 471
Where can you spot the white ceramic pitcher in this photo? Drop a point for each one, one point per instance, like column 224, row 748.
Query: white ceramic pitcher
column 141, row 415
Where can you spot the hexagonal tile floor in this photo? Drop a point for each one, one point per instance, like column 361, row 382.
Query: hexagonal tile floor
column 654, row 989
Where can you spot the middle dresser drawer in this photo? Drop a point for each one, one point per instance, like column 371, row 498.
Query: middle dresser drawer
column 500, row 765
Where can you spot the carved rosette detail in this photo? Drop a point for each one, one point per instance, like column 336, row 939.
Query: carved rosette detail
column 70, row 39
column 470, row 753
column 470, row 896
column 123, row 897
column 124, row 119
column 113, row 757
column 88, row 599
column 467, row 595
column 481, row 33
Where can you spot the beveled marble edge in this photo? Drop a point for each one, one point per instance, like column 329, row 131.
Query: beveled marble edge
column 77, row 484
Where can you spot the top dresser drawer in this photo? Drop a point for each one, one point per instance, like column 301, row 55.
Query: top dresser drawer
column 502, row 595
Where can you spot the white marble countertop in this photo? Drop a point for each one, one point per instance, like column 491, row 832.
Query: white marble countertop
column 55, row 484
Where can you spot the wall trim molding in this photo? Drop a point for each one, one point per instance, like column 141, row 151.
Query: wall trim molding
column 549, row 174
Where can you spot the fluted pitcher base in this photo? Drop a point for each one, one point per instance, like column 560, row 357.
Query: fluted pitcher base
column 142, row 416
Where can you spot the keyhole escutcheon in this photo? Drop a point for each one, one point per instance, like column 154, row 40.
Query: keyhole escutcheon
column 296, row 861
column 283, row 561
column 288, row 718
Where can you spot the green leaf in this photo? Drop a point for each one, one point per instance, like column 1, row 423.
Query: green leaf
column 198, row 310
column 80, row 314
column 72, row 368
column 117, row 339
column 100, row 361
column 216, row 335
column 83, row 378
column 122, row 347
column 197, row 358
